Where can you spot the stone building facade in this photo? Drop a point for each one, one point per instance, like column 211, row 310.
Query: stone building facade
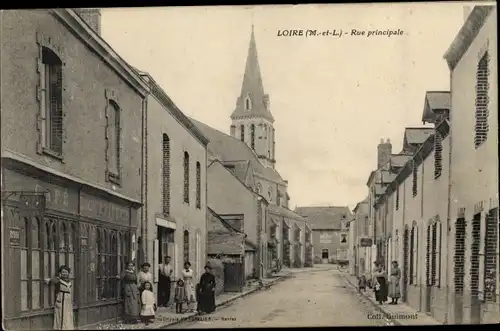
column 71, row 107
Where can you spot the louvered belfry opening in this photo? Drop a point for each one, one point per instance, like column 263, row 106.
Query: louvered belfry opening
column 490, row 258
column 252, row 138
column 166, row 175
column 198, row 185
column 482, row 100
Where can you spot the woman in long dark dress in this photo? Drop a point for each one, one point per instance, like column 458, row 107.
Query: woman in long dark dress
column 394, row 289
column 380, row 284
column 130, row 294
column 206, row 303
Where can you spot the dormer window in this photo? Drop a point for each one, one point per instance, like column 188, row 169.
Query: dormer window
column 248, row 103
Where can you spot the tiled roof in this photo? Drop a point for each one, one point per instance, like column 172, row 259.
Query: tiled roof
column 227, row 148
column 249, row 246
column 417, row 135
column 282, row 211
column 399, row 160
column 329, row 217
column 439, row 99
column 225, row 243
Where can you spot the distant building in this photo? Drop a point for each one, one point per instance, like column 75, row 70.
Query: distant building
column 328, row 230
column 362, row 241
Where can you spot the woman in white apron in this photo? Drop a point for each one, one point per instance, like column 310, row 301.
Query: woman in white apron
column 63, row 306
column 187, row 276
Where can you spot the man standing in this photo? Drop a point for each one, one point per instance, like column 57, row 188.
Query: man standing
column 164, row 284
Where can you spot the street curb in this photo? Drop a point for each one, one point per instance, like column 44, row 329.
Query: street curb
column 227, row 301
column 377, row 306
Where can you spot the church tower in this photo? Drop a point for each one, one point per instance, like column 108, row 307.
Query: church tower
column 252, row 121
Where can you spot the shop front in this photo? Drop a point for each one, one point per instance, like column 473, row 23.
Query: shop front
column 50, row 221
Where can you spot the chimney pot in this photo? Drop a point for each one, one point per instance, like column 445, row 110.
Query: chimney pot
column 388, row 140
column 381, row 140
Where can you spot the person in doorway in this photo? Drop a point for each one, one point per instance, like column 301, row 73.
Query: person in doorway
column 362, row 283
column 63, row 306
column 145, row 275
column 179, row 296
column 206, row 303
column 165, row 280
column 131, row 294
column 187, row 277
column 148, row 303
column 394, row 289
column 380, row 283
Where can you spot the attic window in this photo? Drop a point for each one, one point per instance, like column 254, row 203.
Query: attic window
column 248, row 103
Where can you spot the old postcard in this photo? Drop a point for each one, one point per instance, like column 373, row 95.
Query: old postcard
column 249, row 166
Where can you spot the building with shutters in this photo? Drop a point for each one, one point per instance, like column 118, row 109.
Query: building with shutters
column 473, row 259
column 71, row 165
column 328, row 230
column 411, row 212
column 175, row 186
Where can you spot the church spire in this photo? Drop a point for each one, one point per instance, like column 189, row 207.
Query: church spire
column 252, row 100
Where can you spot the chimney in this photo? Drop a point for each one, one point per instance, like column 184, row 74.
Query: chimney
column 91, row 16
column 467, row 11
column 384, row 151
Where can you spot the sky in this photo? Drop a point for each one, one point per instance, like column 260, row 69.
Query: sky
column 332, row 98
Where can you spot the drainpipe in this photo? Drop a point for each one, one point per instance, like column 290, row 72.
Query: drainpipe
column 144, row 186
column 448, row 228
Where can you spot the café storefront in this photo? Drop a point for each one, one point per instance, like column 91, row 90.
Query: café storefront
column 49, row 221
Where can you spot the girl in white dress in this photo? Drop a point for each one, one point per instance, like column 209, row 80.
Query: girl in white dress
column 187, row 276
column 148, row 303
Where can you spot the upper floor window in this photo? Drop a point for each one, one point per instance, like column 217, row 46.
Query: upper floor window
column 482, row 100
column 198, row 185
column 186, row 177
column 397, row 198
column 51, row 102
column 242, row 132
column 415, row 178
column 252, row 133
column 438, row 158
column 113, row 140
column 270, row 194
column 166, row 175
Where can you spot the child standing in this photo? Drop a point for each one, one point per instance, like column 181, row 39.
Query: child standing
column 180, row 296
column 148, row 304
column 362, row 284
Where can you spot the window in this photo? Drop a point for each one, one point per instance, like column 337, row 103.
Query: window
column 490, row 264
column 186, row 177
column 198, row 185
column 232, row 130
column 413, row 255
column 459, row 257
column 270, row 194
column 186, row 245
column 259, row 188
column 482, row 100
column 436, row 254
column 113, row 141
column 397, row 198
column 51, row 103
column 475, row 256
column 242, row 132
column 252, row 133
column 415, row 178
column 438, row 158
column 107, row 264
column 248, row 103
column 166, row 175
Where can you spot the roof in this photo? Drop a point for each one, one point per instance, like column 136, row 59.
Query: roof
column 413, row 137
column 328, row 217
column 399, row 160
column 227, row 148
column 467, row 34
column 93, row 40
column 435, row 101
column 230, row 243
column 282, row 211
column 171, row 107
column 252, row 88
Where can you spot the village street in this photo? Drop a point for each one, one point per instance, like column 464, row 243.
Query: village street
column 316, row 297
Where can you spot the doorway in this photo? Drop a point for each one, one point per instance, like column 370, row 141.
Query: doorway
column 324, row 255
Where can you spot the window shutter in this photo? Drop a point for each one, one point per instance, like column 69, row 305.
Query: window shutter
column 491, row 256
column 481, row 255
column 428, row 265
column 438, row 252
column 438, row 148
column 415, row 257
column 56, row 108
column 482, row 100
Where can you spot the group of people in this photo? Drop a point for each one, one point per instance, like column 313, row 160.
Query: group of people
column 137, row 290
column 383, row 286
